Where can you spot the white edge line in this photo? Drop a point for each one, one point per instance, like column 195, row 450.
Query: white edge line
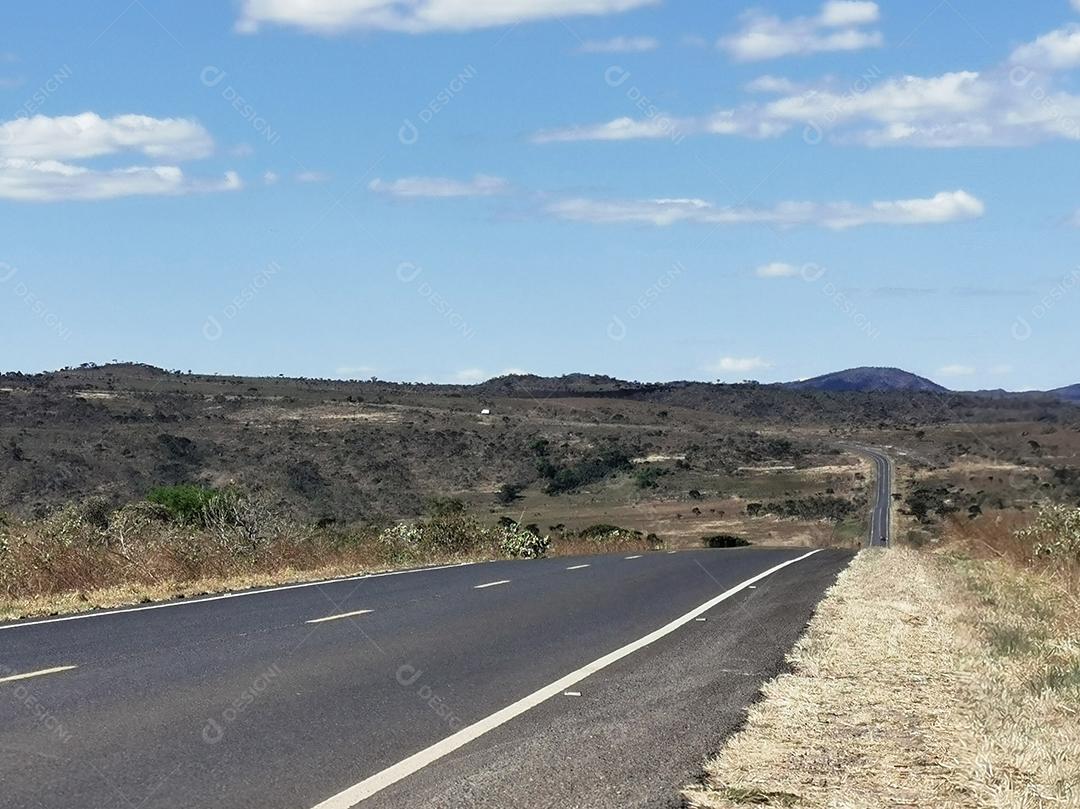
column 202, row 600
column 338, row 617
column 41, row 673
column 491, row 584
column 406, row 767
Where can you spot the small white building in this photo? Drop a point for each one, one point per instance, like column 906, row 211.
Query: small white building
column 486, row 411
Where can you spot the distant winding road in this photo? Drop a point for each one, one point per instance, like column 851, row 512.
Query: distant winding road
column 593, row 682
column 881, row 510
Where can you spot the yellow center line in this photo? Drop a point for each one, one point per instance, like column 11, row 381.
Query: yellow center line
column 338, row 617
column 12, row 678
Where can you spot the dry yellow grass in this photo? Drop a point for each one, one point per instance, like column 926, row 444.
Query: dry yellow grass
column 898, row 697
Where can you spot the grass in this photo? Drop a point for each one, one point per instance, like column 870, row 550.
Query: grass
column 86, row 558
column 946, row 680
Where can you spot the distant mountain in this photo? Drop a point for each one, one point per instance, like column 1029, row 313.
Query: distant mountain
column 870, row 379
column 1070, row 393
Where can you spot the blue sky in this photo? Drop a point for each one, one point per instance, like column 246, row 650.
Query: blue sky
column 448, row 190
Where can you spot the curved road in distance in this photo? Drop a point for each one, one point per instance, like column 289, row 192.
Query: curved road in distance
column 881, row 512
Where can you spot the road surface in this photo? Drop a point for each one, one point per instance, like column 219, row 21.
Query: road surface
column 592, row 682
column 881, row 510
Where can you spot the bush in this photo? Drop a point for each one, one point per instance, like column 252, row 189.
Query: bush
column 440, row 537
column 520, row 543
column 1055, row 533
column 609, row 533
column 647, row 477
column 583, row 472
column 445, row 507
column 508, row 493
column 184, row 504
column 724, row 541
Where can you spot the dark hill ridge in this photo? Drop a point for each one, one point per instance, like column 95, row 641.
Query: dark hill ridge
column 870, row 380
column 1070, row 393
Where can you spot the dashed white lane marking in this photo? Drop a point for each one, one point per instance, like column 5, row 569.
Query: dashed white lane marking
column 577, row 567
column 223, row 596
column 491, row 584
column 701, row 620
column 571, row 693
column 13, row 677
column 632, row 557
column 338, row 617
column 403, row 769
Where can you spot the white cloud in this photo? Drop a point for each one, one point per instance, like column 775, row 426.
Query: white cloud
column 1007, row 107
column 619, row 129
column 78, row 137
column 1057, row 50
column 417, row 16
column 737, row 365
column 1004, row 369
column 771, row 84
column 946, row 206
column 440, row 187
column 620, row 45
column 777, row 269
column 838, row 13
column 956, row 370
column 311, row 177
column 1017, row 103
column 838, row 27
column 270, row 178
column 52, row 180
column 36, row 155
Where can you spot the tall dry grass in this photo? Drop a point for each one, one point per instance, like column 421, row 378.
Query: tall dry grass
column 87, row 556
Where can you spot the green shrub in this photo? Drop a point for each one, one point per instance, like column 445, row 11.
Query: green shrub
column 445, row 507
column 583, row 472
column 647, row 477
column 1055, row 533
column 516, row 542
column 609, row 533
column 185, row 504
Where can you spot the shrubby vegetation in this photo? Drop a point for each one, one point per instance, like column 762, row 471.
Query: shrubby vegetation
column 1055, row 534
column 724, row 541
column 192, row 534
column 814, row 507
column 571, row 476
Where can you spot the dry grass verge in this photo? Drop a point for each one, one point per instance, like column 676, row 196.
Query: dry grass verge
column 920, row 682
column 79, row 560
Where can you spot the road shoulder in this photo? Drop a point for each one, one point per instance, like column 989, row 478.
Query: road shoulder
column 898, row 696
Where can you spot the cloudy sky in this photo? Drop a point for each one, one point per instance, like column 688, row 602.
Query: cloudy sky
column 452, row 189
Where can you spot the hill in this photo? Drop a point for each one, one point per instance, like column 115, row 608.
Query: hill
column 870, row 380
column 1070, row 393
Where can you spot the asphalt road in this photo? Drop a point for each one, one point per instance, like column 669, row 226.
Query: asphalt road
column 592, row 682
column 881, row 513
